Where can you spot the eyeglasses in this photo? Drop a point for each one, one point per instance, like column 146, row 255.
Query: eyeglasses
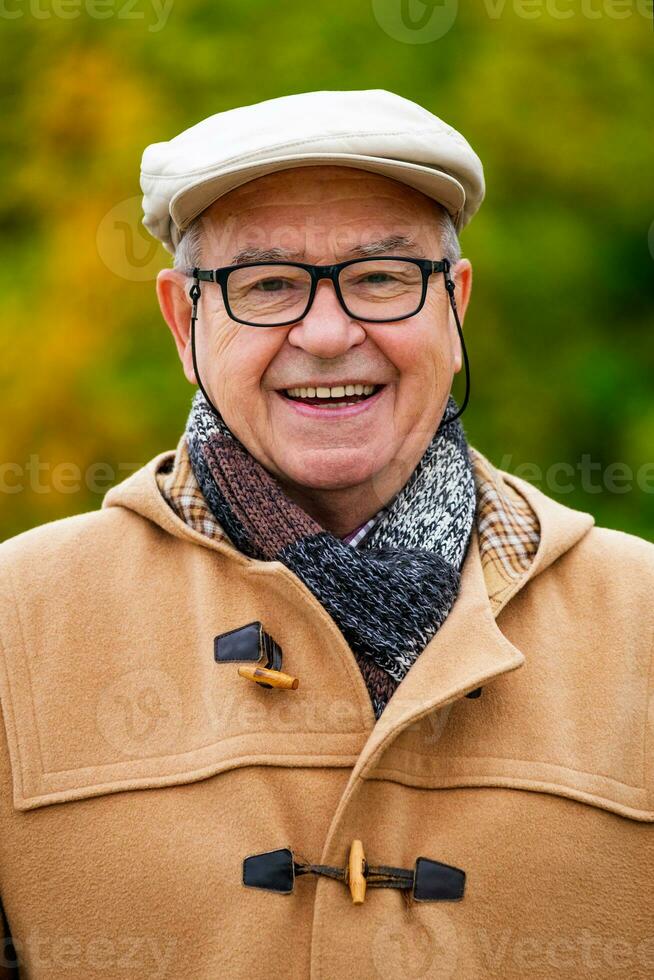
column 276, row 294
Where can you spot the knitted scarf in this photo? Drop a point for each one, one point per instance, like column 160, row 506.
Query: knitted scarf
column 390, row 595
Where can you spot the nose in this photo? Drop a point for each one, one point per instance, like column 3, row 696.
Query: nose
column 327, row 330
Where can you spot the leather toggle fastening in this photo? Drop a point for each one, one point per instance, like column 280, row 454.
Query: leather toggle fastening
column 430, row 881
column 259, row 654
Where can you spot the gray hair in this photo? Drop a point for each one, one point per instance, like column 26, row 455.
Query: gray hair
column 449, row 238
column 188, row 252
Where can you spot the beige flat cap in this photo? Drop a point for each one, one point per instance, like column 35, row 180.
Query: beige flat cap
column 372, row 130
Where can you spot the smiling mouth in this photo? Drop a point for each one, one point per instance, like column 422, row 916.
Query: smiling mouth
column 338, row 397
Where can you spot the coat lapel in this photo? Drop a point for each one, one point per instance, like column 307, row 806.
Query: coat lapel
column 469, row 650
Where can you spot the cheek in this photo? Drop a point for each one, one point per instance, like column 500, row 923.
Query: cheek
column 432, row 343
column 417, row 351
column 239, row 357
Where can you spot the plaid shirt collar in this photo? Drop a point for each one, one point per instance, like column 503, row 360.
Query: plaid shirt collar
column 507, row 527
column 355, row 537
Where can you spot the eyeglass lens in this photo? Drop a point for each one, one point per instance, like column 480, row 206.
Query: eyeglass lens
column 378, row 289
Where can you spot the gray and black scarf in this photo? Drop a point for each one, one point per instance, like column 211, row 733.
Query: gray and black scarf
column 390, row 595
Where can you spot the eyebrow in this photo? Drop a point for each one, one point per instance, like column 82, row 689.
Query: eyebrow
column 389, row 244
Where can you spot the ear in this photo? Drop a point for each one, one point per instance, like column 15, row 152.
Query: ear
column 461, row 273
column 176, row 305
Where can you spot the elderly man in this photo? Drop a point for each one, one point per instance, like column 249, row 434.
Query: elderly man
column 323, row 692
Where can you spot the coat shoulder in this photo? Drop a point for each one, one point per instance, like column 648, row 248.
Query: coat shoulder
column 610, row 552
column 609, row 576
column 64, row 536
column 93, row 546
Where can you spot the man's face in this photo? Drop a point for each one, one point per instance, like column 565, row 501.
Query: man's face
column 323, row 215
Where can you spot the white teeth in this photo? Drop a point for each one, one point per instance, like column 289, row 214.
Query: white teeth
column 339, row 391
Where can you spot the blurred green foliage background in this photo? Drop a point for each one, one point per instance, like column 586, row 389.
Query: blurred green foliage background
column 554, row 96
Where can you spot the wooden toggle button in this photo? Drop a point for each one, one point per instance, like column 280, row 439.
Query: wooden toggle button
column 273, row 678
column 356, row 872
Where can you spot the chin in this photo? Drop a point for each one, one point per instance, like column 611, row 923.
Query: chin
column 335, row 470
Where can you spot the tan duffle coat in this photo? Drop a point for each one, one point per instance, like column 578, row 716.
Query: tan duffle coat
column 137, row 773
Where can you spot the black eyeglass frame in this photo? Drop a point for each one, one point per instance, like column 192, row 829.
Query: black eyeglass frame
column 317, row 272
column 428, row 267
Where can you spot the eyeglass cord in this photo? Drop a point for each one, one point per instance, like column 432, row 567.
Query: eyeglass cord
column 195, row 294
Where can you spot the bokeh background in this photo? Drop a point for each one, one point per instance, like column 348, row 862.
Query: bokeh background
column 555, row 96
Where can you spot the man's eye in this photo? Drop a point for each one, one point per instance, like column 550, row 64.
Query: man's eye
column 270, row 285
column 374, row 277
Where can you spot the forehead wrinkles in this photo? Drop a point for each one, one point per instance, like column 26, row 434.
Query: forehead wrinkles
column 302, row 243
column 316, row 226
column 319, row 185
column 291, row 205
column 317, row 182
